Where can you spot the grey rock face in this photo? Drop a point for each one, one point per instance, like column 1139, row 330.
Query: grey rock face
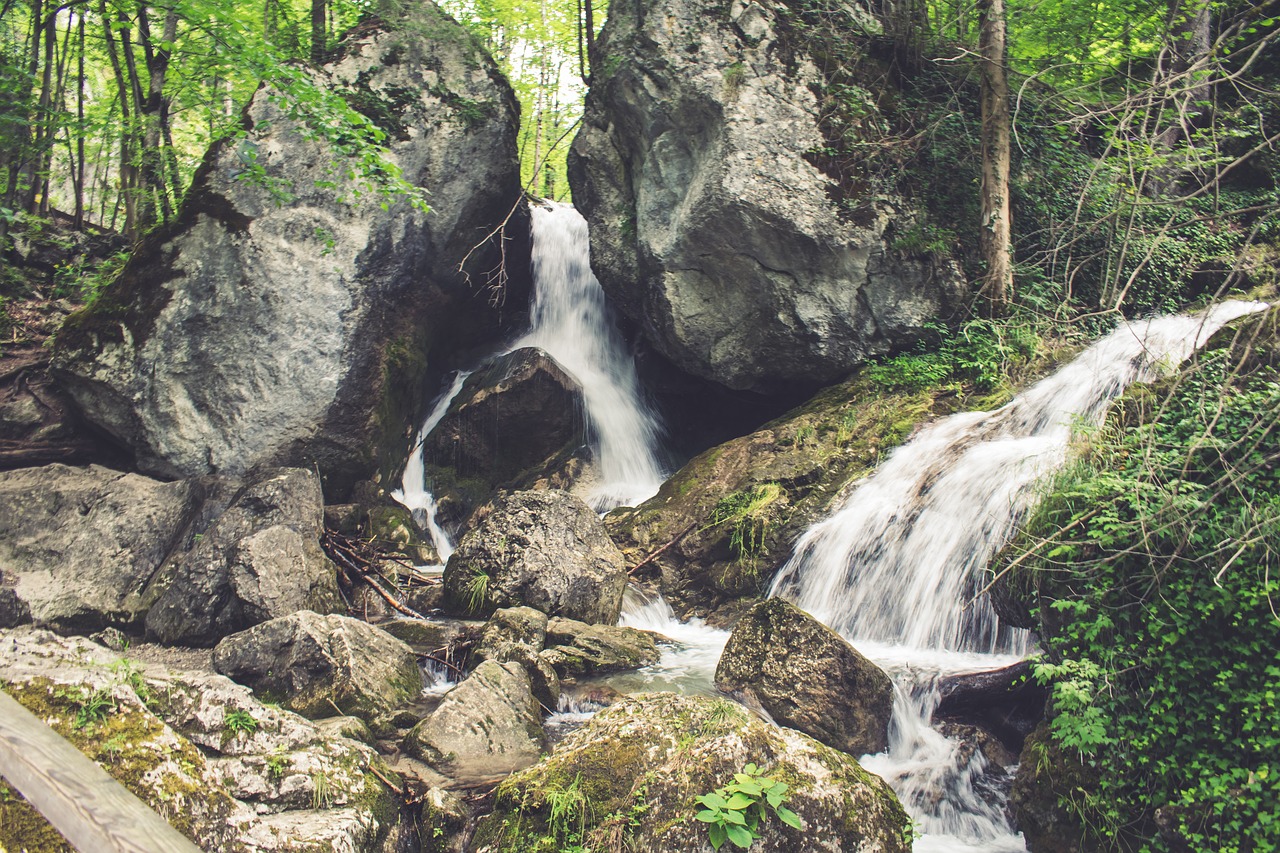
column 270, row 782
column 709, row 225
column 259, row 560
column 320, row 666
column 78, row 546
column 575, row 648
column 270, row 329
column 808, row 678
column 486, row 726
column 512, row 423
column 544, row 549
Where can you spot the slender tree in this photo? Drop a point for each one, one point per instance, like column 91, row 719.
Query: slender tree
column 995, row 238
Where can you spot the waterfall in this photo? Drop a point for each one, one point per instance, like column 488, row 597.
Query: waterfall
column 413, row 493
column 571, row 323
column 897, row 567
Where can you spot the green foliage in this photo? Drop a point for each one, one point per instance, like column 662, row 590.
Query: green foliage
column 981, row 352
column 736, row 811
column 1158, row 568
column 477, row 592
column 240, row 721
column 91, row 706
column 278, row 763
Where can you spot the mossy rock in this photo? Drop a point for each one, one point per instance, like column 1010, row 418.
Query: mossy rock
column 734, row 511
column 631, row 776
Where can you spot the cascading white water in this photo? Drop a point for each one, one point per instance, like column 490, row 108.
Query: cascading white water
column 571, row 323
column 413, row 493
column 894, row 568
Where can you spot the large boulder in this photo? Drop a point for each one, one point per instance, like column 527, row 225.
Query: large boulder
column 629, row 779
column 485, row 727
column 713, row 224
column 319, row 666
column 808, row 677
column 514, row 422
column 227, row 771
column 285, row 317
column 259, row 560
column 544, row 549
column 78, row 546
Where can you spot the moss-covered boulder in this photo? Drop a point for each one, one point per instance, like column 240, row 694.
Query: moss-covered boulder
column 321, row 666
column 578, row 649
column 721, row 527
column 545, row 549
column 629, row 779
column 229, row 772
column 808, row 677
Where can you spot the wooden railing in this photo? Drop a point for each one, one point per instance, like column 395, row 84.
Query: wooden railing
column 92, row 811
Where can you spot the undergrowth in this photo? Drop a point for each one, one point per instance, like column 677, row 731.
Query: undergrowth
column 1157, row 565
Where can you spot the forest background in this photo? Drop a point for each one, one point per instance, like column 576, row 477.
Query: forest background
column 1111, row 157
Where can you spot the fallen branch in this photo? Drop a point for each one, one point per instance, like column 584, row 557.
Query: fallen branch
column 654, row 555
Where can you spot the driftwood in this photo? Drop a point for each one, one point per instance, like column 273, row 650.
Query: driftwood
column 655, row 554
column 362, row 561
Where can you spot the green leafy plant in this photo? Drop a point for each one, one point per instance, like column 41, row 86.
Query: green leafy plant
column 277, row 763
column 736, row 812
column 240, row 721
column 92, row 706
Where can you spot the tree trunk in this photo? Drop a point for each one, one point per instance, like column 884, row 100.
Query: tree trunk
column 318, row 43
column 996, row 233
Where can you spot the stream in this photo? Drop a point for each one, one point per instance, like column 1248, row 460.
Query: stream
column 896, row 569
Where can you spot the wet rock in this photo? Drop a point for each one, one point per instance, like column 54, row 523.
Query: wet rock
column 227, row 771
column 79, row 545
column 319, row 665
column 261, row 559
column 485, row 727
column 546, row 550
column 256, row 330
column 576, row 649
column 517, row 635
column 807, row 677
column 713, row 226
column 513, row 422
column 511, row 628
column 427, row 635
column 641, row 763
column 1006, row 702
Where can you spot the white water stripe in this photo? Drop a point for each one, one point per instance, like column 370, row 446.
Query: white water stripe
column 893, row 568
column 571, row 323
column 413, row 493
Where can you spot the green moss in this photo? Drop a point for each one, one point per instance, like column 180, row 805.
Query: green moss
column 24, row 828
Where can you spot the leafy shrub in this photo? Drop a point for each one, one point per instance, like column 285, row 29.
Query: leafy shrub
column 1157, row 562
column 736, row 811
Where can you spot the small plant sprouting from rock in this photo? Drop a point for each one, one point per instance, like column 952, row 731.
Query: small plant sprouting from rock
column 736, row 811
column 277, row 763
column 477, row 592
column 240, row 721
column 744, row 513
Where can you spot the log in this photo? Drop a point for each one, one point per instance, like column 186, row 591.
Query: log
column 92, row 811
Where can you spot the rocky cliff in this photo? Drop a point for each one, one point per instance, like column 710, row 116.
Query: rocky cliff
column 711, row 226
column 289, row 314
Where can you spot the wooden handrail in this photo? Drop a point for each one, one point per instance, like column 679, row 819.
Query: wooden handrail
column 92, row 811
